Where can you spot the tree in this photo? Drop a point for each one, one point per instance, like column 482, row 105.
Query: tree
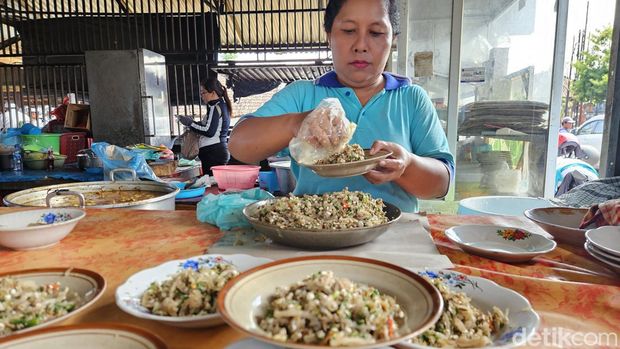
column 592, row 70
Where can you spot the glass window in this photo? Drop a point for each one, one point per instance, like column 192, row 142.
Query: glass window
column 428, row 55
column 506, row 66
column 586, row 129
column 598, row 127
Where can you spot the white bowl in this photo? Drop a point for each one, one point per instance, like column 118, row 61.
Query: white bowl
column 245, row 297
column 87, row 284
column 485, row 294
column 606, row 238
column 128, row 294
column 506, row 244
column 32, row 229
column 500, row 205
column 561, row 222
column 91, row 336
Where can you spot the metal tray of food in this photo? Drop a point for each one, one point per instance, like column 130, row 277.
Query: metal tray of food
column 320, row 239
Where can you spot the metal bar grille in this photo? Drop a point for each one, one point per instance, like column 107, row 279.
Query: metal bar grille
column 48, row 38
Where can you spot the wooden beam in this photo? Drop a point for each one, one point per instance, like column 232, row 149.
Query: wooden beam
column 10, row 41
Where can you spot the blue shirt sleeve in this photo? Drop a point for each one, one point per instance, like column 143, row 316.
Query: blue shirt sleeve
column 428, row 138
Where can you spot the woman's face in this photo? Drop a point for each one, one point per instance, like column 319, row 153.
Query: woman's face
column 208, row 96
column 360, row 41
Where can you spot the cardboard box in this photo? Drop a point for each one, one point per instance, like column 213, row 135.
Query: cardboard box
column 78, row 117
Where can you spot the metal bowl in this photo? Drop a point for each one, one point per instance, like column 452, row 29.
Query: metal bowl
column 319, row 239
column 350, row 169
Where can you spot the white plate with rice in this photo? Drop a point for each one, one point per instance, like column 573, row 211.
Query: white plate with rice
column 129, row 295
column 486, row 294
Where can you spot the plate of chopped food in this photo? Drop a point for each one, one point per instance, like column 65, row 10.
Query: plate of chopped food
column 477, row 313
column 182, row 292
column 35, row 298
column 330, row 301
column 327, row 221
column 506, row 244
column 91, row 336
column 352, row 161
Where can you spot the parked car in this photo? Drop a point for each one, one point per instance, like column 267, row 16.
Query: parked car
column 591, row 132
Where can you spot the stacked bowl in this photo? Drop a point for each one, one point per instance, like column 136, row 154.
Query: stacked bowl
column 604, row 245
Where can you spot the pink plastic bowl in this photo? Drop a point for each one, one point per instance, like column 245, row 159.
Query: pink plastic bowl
column 235, row 176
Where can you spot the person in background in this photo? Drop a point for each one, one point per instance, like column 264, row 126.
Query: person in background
column 391, row 113
column 213, row 128
column 567, row 124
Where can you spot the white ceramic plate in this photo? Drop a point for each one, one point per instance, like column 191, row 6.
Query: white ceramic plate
column 484, row 294
column 91, row 336
column 88, row 284
column 254, row 344
column 603, row 253
column 610, row 263
column 32, row 229
column 606, row 238
column 244, row 298
column 507, row 244
column 350, row 169
column 129, row 293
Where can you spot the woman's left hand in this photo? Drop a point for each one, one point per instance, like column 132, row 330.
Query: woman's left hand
column 391, row 168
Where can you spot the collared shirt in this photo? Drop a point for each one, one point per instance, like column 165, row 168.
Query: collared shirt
column 401, row 113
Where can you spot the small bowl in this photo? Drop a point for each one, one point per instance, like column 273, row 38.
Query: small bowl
column 88, row 285
column 506, row 244
column 350, row 169
column 561, row 222
column 33, row 229
column 244, row 298
column 92, row 336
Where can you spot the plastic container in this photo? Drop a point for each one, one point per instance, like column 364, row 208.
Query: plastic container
column 44, row 140
column 286, row 180
column 71, row 143
column 268, row 180
column 59, row 161
column 235, row 176
column 500, row 205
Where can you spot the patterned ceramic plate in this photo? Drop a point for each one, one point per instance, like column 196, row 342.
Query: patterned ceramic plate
column 350, row 169
column 129, row 293
column 507, row 244
column 484, row 294
column 91, row 336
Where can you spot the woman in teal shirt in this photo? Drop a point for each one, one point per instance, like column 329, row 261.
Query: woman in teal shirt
column 391, row 114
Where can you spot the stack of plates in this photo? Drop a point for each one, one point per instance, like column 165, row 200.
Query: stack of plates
column 524, row 116
column 604, row 244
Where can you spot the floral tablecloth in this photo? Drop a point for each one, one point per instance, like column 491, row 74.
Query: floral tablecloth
column 577, row 299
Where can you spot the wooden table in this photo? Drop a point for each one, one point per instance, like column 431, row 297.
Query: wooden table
column 569, row 290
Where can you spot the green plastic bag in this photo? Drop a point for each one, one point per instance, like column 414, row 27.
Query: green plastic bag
column 226, row 210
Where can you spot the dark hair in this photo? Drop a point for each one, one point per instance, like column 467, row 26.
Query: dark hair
column 213, row 84
column 334, row 6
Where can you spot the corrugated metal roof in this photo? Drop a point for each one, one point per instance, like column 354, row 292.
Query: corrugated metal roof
column 282, row 73
column 244, row 24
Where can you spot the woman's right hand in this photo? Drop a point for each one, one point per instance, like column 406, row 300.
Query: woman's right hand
column 323, row 128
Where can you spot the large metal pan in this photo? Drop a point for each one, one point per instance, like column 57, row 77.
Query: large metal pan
column 163, row 194
column 318, row 239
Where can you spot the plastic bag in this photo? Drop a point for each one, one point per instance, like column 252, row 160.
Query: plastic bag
column 226, row 210
column 190, row 144
column 118, row 157
column 328, row 122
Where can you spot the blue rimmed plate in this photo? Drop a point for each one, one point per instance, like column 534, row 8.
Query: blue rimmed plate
column 485, row 294
column 128, row 294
